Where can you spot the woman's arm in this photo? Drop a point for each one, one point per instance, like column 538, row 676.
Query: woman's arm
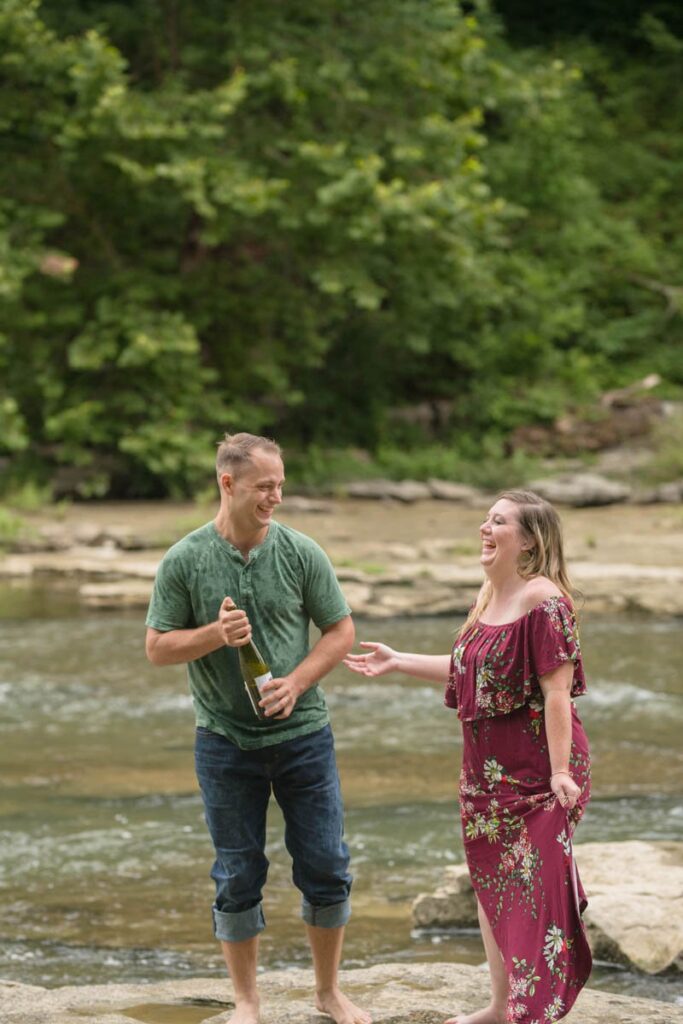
column 556, row 687
column 381, row 659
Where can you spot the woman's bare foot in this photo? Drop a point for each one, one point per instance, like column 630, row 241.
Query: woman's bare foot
column 246, row 1012
column 340, row 1008
column 488, row 1016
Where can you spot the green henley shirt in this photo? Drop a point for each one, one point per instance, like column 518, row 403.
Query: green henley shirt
column 286, row 583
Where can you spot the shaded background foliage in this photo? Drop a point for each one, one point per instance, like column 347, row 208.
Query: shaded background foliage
column 306, row 218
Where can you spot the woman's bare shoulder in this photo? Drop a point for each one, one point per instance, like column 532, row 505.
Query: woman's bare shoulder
column 538, row 590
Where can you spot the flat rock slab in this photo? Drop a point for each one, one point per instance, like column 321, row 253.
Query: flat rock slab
column 393, row 993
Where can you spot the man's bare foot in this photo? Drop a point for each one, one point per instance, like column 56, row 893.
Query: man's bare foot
column 246, row 1012
column 488, row 1016
column 340, row 1008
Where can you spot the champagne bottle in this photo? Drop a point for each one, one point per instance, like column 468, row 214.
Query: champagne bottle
column 256, row 673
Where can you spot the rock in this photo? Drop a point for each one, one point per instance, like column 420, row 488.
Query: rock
column 89, row 535
column 438, row 549
column 359, row 597
column 15, row 566
column 129, row 594
column 54, row 537
column 370, row 489
column 622, row 461
column 98, row 561
column 297, row 503
column 451, row 902
column 622, row 572
column 347, row 574
column 666, row 493
column 125, row 539
column 400, row 490
column 452, row 905
column 656, row 590
column 409, row 491
column 399, row 552
column 632, row 887
column 623, row 397
column 423, row 599
column 399, row 993
column 581, row 490
column 444, row 490
column 619, row 418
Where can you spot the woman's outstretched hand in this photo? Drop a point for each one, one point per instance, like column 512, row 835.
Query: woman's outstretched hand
column 379, row 660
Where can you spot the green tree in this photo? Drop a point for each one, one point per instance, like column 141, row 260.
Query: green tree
column 296, row 218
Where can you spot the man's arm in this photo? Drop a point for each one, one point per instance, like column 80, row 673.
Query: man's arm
column 180, row 645
column 280, row 695
column 333, row 644
column 177, row 646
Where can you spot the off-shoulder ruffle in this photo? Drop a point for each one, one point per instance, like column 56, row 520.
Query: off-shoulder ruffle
column 496, row 669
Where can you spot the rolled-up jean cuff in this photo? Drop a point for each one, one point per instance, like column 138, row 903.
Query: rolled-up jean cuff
column 332, row 916
column 238, row 926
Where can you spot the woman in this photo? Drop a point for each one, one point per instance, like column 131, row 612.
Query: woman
column 525, row 781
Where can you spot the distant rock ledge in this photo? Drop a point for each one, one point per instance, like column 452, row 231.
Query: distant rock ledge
column 112, row 563
column 412, row 582
column 395, row 993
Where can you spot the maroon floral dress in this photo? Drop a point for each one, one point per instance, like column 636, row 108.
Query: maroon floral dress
column 517, row 836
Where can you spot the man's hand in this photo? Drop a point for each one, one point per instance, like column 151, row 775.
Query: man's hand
column 279, row 697
column 234, row 624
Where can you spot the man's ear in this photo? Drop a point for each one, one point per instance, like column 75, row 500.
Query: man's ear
column 226, row 481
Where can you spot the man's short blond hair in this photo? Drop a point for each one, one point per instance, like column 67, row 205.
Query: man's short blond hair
column 235, row 451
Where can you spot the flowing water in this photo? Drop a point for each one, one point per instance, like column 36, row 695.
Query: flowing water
column 104, row 858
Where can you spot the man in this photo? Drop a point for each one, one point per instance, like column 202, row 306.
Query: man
column 244, row 575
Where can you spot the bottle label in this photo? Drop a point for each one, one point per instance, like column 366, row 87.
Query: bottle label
column 262, row 680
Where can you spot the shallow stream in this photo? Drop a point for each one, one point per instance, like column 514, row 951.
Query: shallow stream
column 104, row 858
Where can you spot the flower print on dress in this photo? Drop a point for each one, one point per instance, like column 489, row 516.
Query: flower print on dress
column 560, row 640
column 469, row 786
column 565, row 842
column 519, row 861
column 527, row 858
column 555, row 945
column 494, row 772
column 536, row 708
column 480, row 824
column 524, row 980
column 485, row 677
column 522, row 984
column 514, row 879
column 457, row 658
column 555, row 1010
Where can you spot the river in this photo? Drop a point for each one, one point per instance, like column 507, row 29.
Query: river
column 104, row 858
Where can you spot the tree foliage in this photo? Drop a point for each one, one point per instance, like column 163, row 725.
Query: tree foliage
column 300, row 218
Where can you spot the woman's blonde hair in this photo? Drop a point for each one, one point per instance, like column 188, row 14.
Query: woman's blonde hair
column 540, row 526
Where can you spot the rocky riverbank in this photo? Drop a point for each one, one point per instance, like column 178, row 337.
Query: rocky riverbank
column 394, row 556
column 394, row 993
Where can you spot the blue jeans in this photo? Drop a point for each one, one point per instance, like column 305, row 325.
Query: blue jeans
column 236, row 786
